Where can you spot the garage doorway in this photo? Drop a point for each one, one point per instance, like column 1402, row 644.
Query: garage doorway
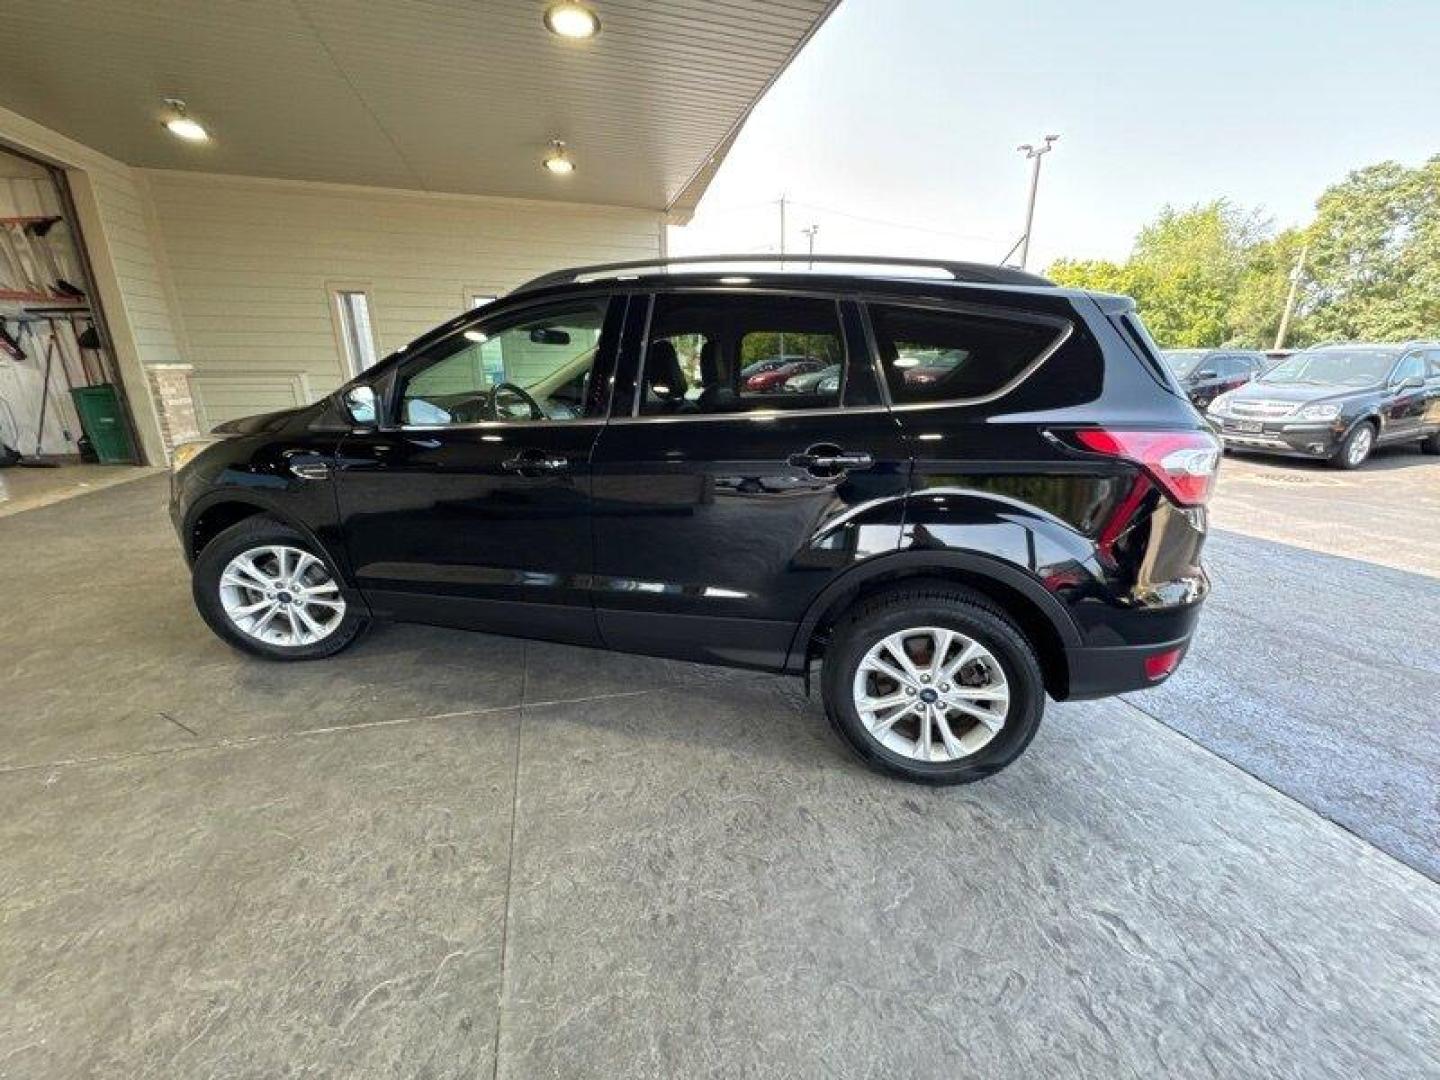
column 62, row 405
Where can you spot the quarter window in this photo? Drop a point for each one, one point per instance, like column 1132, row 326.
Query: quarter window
column 940, row 356
column 537, row 368
column 727, row 353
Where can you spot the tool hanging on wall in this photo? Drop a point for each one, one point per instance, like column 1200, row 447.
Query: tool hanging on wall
column 44, row 402
column 30, row 265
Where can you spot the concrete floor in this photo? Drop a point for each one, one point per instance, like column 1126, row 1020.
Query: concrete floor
column 29, row 489
column 1386, row 512
column 444, row 854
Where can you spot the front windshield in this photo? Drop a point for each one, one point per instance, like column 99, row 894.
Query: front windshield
column 1182, row 361
column 1337, row 367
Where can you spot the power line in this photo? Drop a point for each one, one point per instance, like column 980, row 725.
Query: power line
column 891, row 224
column 766, row 203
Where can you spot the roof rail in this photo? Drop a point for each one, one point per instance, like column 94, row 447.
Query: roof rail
column 982, row 273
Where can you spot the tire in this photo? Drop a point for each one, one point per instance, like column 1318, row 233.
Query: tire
column 220, row 585
column 1008, row 657
column 1430, row 444
column 1356, row 447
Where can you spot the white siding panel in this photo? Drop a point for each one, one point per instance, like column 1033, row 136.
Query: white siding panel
column 252, row 262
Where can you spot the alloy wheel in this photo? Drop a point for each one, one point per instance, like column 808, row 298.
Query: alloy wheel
column 1360, row 445
column 931, row 694
column 281, row 595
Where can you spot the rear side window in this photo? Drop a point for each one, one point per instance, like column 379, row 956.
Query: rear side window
column 725, row 353
column 942, row 356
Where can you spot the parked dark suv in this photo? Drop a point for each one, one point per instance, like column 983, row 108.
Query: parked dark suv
column 1028, row 522
column 1337, row 402
column 1205, row 374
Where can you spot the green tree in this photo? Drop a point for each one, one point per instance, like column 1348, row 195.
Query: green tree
column 1212, row 275
column 1374, row 267
column 1259, row 301
column 1184, row 273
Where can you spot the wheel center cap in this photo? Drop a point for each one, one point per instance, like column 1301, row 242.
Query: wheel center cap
column 929, row 696
column 284, row 597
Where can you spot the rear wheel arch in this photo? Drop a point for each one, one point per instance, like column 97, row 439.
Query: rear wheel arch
column 1044, row 622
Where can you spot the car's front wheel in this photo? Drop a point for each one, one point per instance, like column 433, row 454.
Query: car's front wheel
column 262, row 587
column 1356, row 448
column 933, row 684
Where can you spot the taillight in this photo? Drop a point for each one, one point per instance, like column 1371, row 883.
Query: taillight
column 1158, row 665
column 1183, row 463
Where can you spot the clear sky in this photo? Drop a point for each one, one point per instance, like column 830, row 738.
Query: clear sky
column 908, row 112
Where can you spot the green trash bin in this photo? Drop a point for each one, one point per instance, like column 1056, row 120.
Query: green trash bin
column 104, row 423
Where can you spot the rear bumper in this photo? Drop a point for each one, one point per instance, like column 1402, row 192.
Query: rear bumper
column 1096, row 672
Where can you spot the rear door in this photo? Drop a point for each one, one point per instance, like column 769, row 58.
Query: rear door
column 469, row 505
column 1432, row 392
column 721, row 512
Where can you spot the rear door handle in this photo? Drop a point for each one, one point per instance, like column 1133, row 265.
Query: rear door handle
column 533, row 461
column 839, row 459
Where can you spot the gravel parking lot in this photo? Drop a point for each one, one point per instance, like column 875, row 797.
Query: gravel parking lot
column 447, row 854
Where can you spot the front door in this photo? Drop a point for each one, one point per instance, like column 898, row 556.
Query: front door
column 471, row 505
column 1405, row 409
column 721, row 511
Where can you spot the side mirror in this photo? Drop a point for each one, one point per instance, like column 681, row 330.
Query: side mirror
column 1412, row 382
column 1203, row 375
column 361, row 405
column 544, row 335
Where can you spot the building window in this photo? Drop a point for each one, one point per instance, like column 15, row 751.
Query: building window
column 352, row 307
column 479, row 300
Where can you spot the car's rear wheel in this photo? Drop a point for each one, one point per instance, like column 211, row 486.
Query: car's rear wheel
column 262, row 587
column 1356, row 448
column 1431, row 444
column 934, row 684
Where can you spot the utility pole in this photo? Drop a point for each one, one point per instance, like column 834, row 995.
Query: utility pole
column 1284, row 330
column 810, row 236
column 1033, row 153
column 782, row 224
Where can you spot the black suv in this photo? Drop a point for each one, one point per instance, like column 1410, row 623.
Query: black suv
column 1337, row 402
column 1205, row 374
column 581, row 462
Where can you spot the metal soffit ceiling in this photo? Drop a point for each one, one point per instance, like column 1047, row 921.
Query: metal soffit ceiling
column 455, row 96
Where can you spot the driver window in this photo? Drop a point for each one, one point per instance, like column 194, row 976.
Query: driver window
column 1412, row 367
column 533, row 368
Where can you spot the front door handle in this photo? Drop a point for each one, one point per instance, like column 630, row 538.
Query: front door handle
column 830, row 459
column 311, row 470
column 532, row 461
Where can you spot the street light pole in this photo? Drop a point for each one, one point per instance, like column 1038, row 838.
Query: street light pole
column 810, row 236
column 1033, row 153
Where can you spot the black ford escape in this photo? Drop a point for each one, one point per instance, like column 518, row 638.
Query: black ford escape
column 582, row 462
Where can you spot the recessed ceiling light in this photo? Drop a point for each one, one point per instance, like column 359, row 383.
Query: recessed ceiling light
column 558, row 161
column 734, row 281
column 572, row 20
column 182, row 126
